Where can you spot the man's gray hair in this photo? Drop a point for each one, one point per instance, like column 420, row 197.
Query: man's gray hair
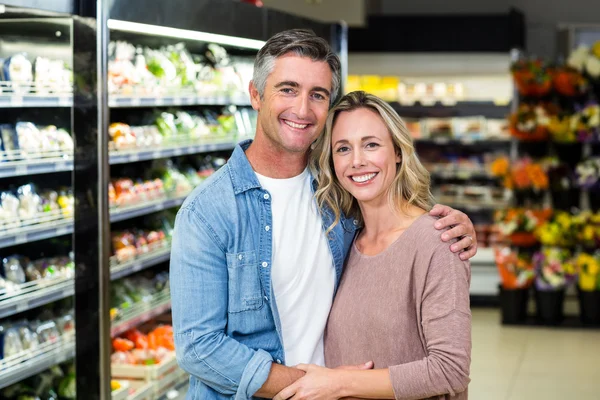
column 302, row 42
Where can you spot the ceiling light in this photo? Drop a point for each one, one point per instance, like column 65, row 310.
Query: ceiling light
column 158, row 30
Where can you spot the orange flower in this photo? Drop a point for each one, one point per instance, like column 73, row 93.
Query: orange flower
column 538, row 177
column 500, row 166
column 521, row 178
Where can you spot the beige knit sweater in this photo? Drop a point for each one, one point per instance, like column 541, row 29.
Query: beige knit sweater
column 406, row 308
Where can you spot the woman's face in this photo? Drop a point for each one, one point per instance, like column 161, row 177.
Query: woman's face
column 364, row 156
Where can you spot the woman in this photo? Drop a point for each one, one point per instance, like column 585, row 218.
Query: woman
column 403, row 301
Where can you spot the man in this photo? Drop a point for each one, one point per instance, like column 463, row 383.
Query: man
column 252, row 273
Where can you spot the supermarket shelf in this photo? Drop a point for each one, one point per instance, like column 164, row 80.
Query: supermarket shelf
column 8, row 100
column 15, row 369
column 33, row 233
column 475, row 206
column 462, row 175
column 123, row 213
column 34, row 294
column 36, row 166
column 179, row 389
column 120, row 270
column 442, row 141
column 127, row 156
column 121, row 101
column 460, row 109
column 484, row 256
column 141, row 312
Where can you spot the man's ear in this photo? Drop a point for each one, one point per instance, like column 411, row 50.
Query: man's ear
column 254, row 96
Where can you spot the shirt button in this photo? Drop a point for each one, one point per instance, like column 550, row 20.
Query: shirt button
column 266, row 298
column 265, row 264
column 278, row 361
column 267, row 228
column 266, row 197
column 355, row 222
column 240, row 257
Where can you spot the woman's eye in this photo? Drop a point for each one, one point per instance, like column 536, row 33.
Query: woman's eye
column 342, row 149
column 372, row 145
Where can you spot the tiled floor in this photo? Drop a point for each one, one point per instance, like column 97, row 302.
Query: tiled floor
column 530, row 363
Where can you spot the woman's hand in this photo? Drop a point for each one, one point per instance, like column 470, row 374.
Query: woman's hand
column 462, row 228
column 319, row 383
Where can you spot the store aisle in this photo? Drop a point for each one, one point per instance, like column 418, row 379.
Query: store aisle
column 518, row 363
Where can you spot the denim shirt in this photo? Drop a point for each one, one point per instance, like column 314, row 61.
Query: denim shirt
column 227, row 329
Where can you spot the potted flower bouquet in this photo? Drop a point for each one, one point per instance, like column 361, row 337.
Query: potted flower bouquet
column 529, row 123
column 569, row 81
column 531, row 77
column 516, row 277
column 588, row 287
column 588, row 177
column 560, row 230
column 587, row 60
column 529, row 181
column 555, row 271
column 519, row 225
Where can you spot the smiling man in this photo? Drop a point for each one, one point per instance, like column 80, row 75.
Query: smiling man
column 253, row 274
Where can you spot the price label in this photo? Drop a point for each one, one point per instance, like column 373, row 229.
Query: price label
column 21, row 238
column 441, row 141
column 137, row 266
column 21, row 170
column 16, row 101
column 177, row 101
column 68, row 292
column 160, row 101
column 64, row 101
column 178, row 151
column 60, row 166
column 62, row 231
column 157, row 154
column 136, row 101
column 159, row 207
column 23, row 306
column 134, row 157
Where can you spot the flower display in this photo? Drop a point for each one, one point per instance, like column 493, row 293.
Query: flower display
column 588, row 269
column 569, row 81
column 529, row 123
column 586, row 59
column 588, row 173
column 587, row 225
column 555, row 268
column 532, row 77
column 560, row 230
column 515, row 268
column 586, row 123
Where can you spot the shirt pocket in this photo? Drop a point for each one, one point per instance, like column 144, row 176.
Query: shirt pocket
column 245, row 291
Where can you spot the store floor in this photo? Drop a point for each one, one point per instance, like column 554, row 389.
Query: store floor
column 518, row 363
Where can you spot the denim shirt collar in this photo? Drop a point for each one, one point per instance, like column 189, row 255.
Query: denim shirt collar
column 243, row 176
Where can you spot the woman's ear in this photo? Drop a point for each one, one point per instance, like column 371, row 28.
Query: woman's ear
column 398, row 157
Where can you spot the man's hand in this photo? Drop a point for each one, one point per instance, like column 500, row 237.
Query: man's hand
column 462, row 228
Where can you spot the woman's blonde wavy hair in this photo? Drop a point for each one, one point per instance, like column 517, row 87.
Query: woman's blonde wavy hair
column 411, row 186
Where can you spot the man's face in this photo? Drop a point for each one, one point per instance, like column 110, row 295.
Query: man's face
column 293, row 110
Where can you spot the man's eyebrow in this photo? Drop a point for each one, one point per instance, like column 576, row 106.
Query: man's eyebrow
column 321, row 89
column 287, row 83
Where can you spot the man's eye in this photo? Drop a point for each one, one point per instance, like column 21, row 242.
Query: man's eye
column 319, row 96
column 287, row 90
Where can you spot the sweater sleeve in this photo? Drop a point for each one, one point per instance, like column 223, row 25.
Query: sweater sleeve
column 446, row 326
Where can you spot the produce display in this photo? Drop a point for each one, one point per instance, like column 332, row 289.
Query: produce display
column 136, row 289
column 42, row 75
column 25, row 141
column 137, row 348
column 26, row 206
column 146, row 71
column 472, row 128
column 17, row 269
column 24, row 337
column 178, row 126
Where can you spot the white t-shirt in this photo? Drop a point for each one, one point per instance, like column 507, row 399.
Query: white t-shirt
column 302, row 274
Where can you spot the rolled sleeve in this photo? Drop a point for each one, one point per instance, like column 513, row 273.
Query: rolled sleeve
column 199, row 297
